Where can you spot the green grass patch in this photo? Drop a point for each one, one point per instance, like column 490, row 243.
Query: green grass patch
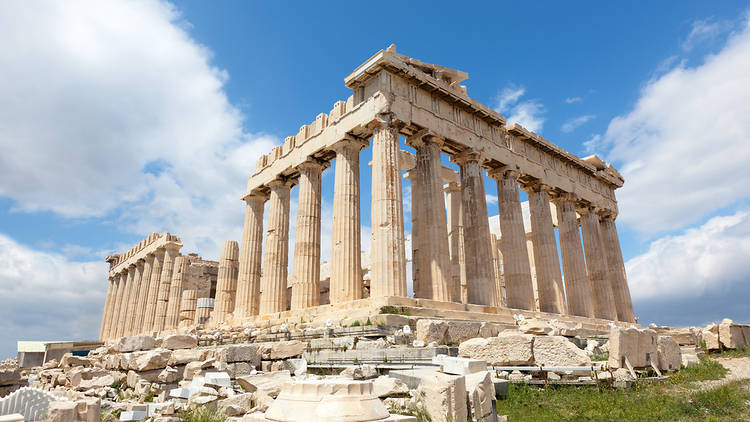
column 706, row 370
column 598, row 357
column 733, row 353
column 643, row 402
column 202, row 414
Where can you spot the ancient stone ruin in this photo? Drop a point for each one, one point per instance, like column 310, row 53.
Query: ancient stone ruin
column 458, row 266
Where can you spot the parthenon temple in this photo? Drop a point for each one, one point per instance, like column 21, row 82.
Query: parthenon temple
column 556, row 256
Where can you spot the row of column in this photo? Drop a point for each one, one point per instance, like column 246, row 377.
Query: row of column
column 451, row 248
column 145, row 297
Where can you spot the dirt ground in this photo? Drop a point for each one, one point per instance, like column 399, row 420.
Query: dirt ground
column 739, row 368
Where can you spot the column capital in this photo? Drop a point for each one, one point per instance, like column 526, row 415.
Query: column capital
column 312, row 164
column 349, row 142
column 562, row 196
column 423, row 137
column 466, row 156
column 503, row 172
column 452, row 187
column 280, row 183
column 255, row 196
column 606, row 214
column 536, row 186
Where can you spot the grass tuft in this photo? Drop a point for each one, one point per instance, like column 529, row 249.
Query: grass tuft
column 202, row 414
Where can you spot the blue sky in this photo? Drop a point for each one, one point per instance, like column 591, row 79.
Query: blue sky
column 120, row 119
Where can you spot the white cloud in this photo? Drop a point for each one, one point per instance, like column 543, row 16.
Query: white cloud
column 131, row 116
column 45, row 296
column 683, row 149
column 575, row 122
column 709, row 258
column 571, row 100
column 491, row 199
column 527, row 113
column 702, row 30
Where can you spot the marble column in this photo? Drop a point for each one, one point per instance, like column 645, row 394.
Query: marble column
column 144, row 287
column 114, row 308
column 306, row 287
column 497, row 264
column 226, row 281
column 434, row 255
column 274, row 281
column 247, row 302
column 387, row 256
column 153, row 291
column 519, row 289
column 574, row 267
column 480, row 276
column 179, row 274
column 548, row 275
column 126, row 287
column 165, row 285
column 187, row 308
column 134, row 310
column 456, row 239
column 421, row 289
column 106, row 310
column 596, row 264
column 616, row 266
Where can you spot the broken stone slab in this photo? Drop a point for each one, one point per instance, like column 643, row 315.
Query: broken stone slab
column 269, row 383
column 733, row 336
column 443, row 397
column 237, row 405
column 135, row 343
column 508, row 348
column 185, row 356
column 281, row 350
column 622, row 378
column 99, row 382
column 71, row 360
column 638, row 345
column 481, row 392
column 239, row 353
column 12, row 417
column 194, row 368
column 711, row 339
column 179, row 341
column 360, row 372
column 217, row 379
column 10, row 377
column 412, row 377
column 558, row 351
column 459, row 365
column 535, row 326
column 668, row 353
column 133, row 415
column 149, row 360
column 386, row 386
column 62, row 411
column 429, row 330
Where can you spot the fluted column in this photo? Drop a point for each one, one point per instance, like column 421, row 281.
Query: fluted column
column 434, row 255
column 548, row 275
column 247, row 302
column 106, row 310
column 226, row 281
column 165, row 284
column 179, row 274
column 596, row 264
column 134, row 308
column 274, row 281
column 574, row 267
column 421, row 289
column 497, row 264
column 114, row 307
column 127, row 288
column 387, row 256
column 480, row 276
column 456, row 239
column 519, row 289
column 306, row 287
column 153, row 291
column 144, row 286
column 616, row 266
column 188, row 305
